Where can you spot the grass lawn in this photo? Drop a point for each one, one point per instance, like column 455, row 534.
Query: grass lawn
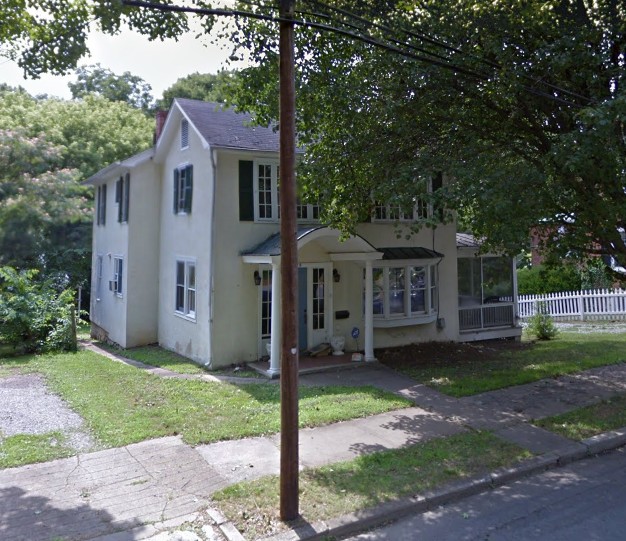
column 566, row 354
column 123, row 405
column 159, row 357
column 590, row 420
column 369, row 480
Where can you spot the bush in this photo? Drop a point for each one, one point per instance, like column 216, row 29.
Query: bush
column 541, row 324
column 34, row 317
column 544, row 279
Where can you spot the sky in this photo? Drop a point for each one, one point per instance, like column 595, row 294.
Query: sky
column 158, row 63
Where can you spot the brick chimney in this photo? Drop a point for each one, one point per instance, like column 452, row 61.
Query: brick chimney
column 161, row 116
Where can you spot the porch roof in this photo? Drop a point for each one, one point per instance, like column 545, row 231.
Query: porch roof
column 409, row 252
column 353, row 247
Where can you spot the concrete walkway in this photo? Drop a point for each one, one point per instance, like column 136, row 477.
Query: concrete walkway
column 145, row 490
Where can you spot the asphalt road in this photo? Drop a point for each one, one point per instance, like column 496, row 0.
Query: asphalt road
column 583, row 501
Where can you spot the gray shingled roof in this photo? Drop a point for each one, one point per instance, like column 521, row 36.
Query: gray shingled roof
column 465, row 240
column 222, row 127
column 271, row 246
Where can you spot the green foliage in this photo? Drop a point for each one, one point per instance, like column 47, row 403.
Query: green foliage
column 594, row 275
column 47, row 148
column 542, row 279
column 201, row 86
column 374, row 122
column 51, row 37
column 33, row 316
column 541, row 325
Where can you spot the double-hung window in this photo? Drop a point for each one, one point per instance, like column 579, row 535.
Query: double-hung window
column 404, row 294
column 183, row 189
column 399, row 213
column 101, row 205
column 122, row 197
column 266, row 186
column 115, row 285
column 186, row 288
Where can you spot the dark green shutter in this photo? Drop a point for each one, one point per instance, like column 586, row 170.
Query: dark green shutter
column 104, row 204
column 188, row 188
column 176, row 182
column 126, row 197
column 119, row 197
column 246, row 191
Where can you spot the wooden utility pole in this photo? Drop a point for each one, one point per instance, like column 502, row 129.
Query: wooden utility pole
column 288, row 269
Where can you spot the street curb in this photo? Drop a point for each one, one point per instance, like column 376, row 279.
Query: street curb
column 397, row 509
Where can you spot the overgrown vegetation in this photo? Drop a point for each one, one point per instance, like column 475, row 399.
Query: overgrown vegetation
column 367, row 481
column 34, row 317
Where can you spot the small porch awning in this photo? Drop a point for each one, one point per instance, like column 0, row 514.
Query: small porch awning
column 354, row 248
column 409, row 253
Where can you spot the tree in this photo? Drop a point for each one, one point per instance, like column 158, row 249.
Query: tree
column 127, row 87
column 47, row 148
column 34, row 316
column 521, row 103
column 200, row 86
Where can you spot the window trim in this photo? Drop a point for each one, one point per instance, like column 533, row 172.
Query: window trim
column 408, row 317
column 183, row 189
column 116, row 285
column 186, row 313
column 274, row 192
column 422, row 209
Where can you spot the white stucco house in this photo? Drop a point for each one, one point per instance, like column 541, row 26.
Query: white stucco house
column 186, row 254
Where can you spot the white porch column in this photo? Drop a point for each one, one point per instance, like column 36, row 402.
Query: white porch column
column 274, row 369
column 369, row 314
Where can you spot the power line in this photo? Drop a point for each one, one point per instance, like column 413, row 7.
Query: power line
column 445, row 63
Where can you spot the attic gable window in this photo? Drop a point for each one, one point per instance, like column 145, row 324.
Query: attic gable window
column 183, row 189
column 184, row 134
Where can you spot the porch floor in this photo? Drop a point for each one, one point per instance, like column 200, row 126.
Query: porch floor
column 310, row 365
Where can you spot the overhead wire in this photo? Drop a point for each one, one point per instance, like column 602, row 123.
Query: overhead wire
column 436, row 60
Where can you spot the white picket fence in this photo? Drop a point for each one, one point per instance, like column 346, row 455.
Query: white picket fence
column 595, row 304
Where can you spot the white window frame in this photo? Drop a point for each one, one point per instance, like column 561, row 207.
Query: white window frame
column 183, row 187
column 430, row 290
column 116, row 284
column 189, row 288
column 99, row 265
column 391, row 212
column 305, row 212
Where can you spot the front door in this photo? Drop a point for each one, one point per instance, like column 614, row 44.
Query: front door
column 303, row 319
column 318, row 292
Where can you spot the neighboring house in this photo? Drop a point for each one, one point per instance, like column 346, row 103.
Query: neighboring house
column 186, row 253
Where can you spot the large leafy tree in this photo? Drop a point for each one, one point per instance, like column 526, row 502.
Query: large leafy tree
column 521, row 103
column 127, row 87
column 47, row 148
column 200, row 86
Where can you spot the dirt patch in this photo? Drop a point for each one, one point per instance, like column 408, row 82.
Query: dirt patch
column 446, row 353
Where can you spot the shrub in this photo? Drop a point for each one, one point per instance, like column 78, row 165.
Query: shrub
column 542, row 279
column 33, row 315
column 541, row 324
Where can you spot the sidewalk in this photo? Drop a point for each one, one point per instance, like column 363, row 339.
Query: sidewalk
column 146, row 490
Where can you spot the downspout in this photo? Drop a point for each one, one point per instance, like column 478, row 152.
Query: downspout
column 212, row 257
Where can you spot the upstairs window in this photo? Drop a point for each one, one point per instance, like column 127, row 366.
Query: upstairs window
column 398, row 213
column 183, row 189
column 101, row 205
column 122, row 196
column 184, row 134
column 186, row 288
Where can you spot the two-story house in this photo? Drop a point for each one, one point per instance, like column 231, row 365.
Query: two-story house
column 186, row 253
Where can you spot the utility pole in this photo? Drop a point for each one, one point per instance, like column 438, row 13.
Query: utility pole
column 288, row 269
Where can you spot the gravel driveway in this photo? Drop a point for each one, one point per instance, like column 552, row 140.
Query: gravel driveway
column 28, row 407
